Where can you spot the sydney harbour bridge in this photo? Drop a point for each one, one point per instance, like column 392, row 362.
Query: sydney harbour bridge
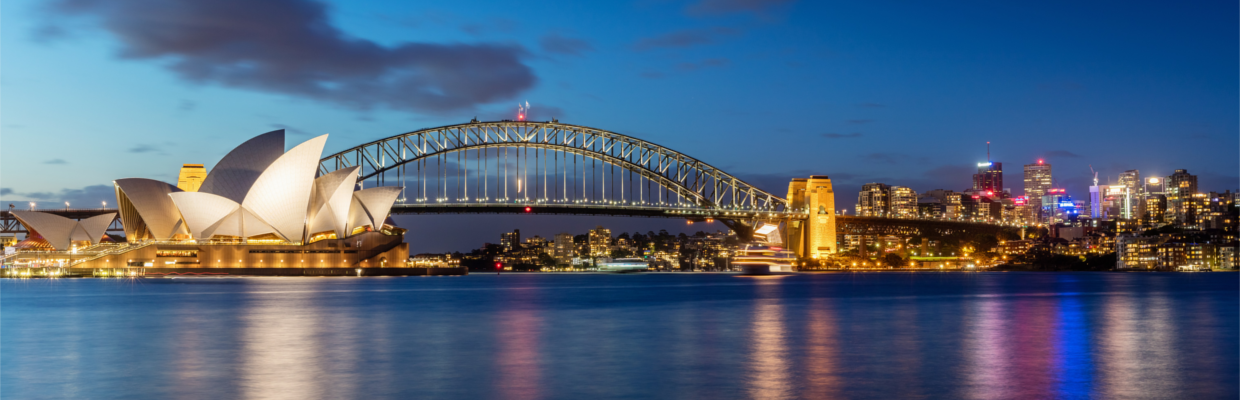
column 526, row 167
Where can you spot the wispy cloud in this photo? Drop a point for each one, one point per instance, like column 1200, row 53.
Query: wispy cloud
column 760, row 7
column 55, row 161
column 143, row 148
column 558, row 44
column 841, row 135
column 682, row 39
column 710, row 62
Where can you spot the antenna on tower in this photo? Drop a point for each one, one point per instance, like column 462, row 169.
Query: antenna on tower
column 1091, row 169
column 987, row 151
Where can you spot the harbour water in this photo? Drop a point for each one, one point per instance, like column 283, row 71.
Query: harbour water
column 601, row 336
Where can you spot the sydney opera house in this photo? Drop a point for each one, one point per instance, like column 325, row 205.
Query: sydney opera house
column 259, row 211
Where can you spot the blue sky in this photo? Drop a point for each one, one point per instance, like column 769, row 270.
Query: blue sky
column 897, row 92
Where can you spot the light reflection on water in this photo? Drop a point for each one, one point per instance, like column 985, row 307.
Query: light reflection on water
column 875, row 335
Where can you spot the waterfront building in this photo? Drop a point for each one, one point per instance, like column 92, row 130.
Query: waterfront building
column 260, row 207
column 563, row 249
column 1136, row 252
column 510, row 240
column 1037, row 181
column 1180, row 188
column 600, row 242
column 191, row 177
column 989, row 179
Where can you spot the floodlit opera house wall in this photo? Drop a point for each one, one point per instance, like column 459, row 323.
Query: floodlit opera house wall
column 258, row 207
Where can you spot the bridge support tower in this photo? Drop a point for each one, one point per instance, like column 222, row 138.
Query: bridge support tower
column 813, row 237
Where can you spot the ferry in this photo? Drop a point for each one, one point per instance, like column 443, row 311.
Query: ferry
column 764, row 260
column 624, row 265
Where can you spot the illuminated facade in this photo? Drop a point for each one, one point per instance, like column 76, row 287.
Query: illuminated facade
column 600, row 242
column 1037, row 181
column 814, row 237
column 989, row 179
column 191, row 177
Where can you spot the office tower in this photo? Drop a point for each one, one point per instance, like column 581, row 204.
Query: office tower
column 903, row 202
column 191, row 177
column 600, row 242
column 510, row 240
column 1051, row 205
column 1037, row 180
column 1098, row 204
column 989, row 179
column 1155, row 186
column 873, row 200
column 1131, row 202
column 563, row 248
column 1155, row 209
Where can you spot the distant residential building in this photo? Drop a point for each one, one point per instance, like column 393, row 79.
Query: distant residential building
column 563, row 249
column 1136, row 252
column 510, row 240
column 903, row 202
column 873, row 200
column 1037, row 181
column 1180, row 188
column 191, row 177
column 600, row 242
column 951, row 201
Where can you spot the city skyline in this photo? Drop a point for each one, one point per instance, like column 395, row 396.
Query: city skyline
column 837, row 96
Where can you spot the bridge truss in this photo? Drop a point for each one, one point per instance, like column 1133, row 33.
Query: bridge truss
column 545, row 163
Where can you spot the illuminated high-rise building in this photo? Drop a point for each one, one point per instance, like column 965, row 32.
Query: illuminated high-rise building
column 1180, row 188
column 191, row 177
column 600, row 242
column 1132, row 202
column 903, row 202
column 1037, row 180
column 873, row 200
column 563, row 250
column 988, row 180
column 510, row 240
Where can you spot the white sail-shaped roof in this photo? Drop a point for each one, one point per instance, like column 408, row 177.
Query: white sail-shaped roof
column 150, row 198
column 60, row 232
column 235, row 174
column 240, row 223
column 281, row 195
column 375, row 204
column 202, row 210
column 329, row 206
column 96, row 226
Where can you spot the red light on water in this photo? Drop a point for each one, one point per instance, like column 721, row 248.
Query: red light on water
column 498, row 265
column 527, row 209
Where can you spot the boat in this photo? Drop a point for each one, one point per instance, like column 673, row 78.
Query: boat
column 764, row 260
column 624, row 265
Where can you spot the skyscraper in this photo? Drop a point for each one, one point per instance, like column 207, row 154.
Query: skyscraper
column 1037, row 180
column 1180, row 187
column 903, row 202
column 989, row 179
column 1132, row 202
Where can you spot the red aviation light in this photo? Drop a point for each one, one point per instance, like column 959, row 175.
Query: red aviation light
column 527, row 209
column 1039, row 161
column 499, row 265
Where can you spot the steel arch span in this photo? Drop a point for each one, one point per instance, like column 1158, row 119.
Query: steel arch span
column 693, row 183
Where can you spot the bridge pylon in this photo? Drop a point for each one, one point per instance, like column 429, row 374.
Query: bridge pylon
column 813, row 237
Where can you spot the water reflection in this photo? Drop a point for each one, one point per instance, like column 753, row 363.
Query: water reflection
column 769, row 358
column 280, row 348
column 988, row 372
column 519, row 359
column 821, row 370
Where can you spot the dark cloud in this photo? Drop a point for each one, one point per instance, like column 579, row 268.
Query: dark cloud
column 651, row 75
column 55, row 161
column 685, row 38
column 1062, row 153
column 734, row 6
column 143, row 148
column 841, row 135
column 859, row 121
column 555, row 43
column 710, row 62
column 870, row 105
column 5, row 191
column 291, row 129
column 290, row 47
